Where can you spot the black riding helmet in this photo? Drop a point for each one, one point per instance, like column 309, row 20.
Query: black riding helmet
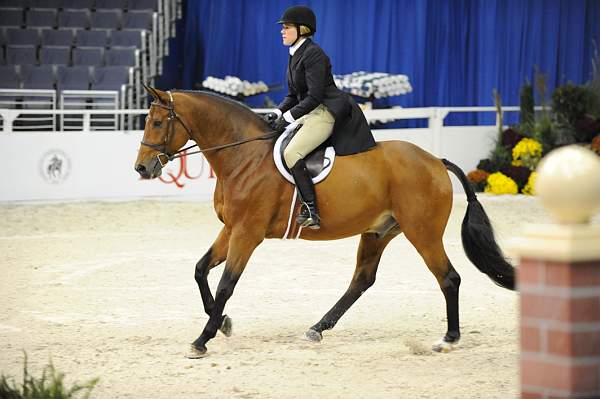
column 300, row 15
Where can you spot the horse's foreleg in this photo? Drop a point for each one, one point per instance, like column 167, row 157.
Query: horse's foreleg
column 213, row 257
column 241, row 246
column 369, row 253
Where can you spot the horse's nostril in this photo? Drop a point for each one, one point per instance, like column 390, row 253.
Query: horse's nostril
column 140, row 168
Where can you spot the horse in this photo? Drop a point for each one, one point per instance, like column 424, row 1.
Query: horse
column 394, row 188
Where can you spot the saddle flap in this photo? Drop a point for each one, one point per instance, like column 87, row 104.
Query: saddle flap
column 315, row 160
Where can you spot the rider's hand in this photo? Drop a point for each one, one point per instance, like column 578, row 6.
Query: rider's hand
column 280, row 124
column 270, row 118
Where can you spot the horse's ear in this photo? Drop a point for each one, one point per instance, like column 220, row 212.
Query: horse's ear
column 158, row 95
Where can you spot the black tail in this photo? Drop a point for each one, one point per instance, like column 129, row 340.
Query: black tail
column 478, row 237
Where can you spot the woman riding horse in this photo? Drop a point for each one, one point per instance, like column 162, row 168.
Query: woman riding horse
column 315, row 101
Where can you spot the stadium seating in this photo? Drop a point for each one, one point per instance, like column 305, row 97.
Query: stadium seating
column 57, row 37
column 37, row 18
column 73, row 45
column 21, row 55
column 110, row 4
column 55, row 55
column 11, row 17
column 50, row 4
column 91, row 38
column 106, row 19
column 78, row 4
column 9, row 77
column 74, row 19
column 91, row 56
column 37, row 77
column 22, row 37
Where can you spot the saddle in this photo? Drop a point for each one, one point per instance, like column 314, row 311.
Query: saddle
column 319, row 162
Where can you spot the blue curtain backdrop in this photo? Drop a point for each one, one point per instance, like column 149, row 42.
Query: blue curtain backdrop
column 455, row 52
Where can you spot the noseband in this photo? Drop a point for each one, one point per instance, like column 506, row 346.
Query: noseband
column 162, row 148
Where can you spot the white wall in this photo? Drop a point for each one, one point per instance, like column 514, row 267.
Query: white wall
column 99, row 165
column 95, row 165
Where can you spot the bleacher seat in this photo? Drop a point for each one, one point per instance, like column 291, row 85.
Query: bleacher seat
column 137, row 20
column 74, row 19
column 111, row 4
column 11, row 17
column 78, row 4
column 106, row 19
column 40, row 18
column 57, row 37
column 91, row 38
column 9, row 77
column 121, row 56
column 14, row 3
column 93, row 56
column 143, row 5
column 21, row 55
column 22, row 37
column 55, row 55
column 110, row 77
column 72, row 78
column 50, row 4
column 37, row 77
column 126, row 38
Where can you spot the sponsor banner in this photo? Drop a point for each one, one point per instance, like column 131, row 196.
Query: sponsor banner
column 92, row 165
column 100, row 165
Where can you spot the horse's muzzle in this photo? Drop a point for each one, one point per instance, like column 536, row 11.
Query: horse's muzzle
column 154, row 170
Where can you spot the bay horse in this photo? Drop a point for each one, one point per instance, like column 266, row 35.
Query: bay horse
column 394, row 188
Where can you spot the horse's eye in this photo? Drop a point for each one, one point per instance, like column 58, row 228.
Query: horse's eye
column 147, row 117
column 157, row 124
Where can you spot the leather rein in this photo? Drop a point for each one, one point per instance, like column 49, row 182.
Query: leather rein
column 172, row 117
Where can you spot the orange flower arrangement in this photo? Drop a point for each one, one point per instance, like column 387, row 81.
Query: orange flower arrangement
column 595, row 146
column 478, row 179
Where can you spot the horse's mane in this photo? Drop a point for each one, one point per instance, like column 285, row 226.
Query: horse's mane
column 243, row 108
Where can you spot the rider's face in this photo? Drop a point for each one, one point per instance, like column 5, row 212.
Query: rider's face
column 289, row 34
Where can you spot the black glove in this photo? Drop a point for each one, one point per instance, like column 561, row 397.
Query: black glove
column 270, row 118
column 280, row 124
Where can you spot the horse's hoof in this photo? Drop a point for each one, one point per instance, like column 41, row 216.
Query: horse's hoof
column 443, row 346
column 196, row 352
column 226, row 326
column 313, row 336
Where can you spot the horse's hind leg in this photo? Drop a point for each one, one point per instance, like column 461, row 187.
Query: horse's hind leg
column 213, row 257
column 435, row 258
column 369, row 252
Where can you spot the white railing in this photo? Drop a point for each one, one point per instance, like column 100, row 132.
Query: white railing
column 434, row 115
column 9, row 115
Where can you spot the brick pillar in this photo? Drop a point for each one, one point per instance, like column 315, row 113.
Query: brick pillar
column 559, row 283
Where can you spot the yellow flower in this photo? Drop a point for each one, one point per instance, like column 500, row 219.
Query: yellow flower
column 527, row 152
column 529, row 187
column 499, row 183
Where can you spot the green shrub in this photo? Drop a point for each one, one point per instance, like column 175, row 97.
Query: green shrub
column 49, row 386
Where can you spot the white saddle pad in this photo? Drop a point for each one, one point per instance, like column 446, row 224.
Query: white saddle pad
column 279, row 162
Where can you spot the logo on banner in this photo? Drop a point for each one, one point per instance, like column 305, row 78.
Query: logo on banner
column 55, row 166
column 183, row 172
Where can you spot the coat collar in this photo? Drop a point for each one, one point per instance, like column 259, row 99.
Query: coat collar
column 296, row 46
column 294, row 59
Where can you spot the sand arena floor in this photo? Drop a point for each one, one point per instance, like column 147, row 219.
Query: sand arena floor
column 106, row 289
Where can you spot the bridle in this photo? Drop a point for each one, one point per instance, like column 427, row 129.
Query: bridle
column 171, row 118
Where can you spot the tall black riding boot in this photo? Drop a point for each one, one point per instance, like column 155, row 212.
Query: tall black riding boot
column 309, row 214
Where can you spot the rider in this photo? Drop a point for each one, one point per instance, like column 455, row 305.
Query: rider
column 314, row 100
